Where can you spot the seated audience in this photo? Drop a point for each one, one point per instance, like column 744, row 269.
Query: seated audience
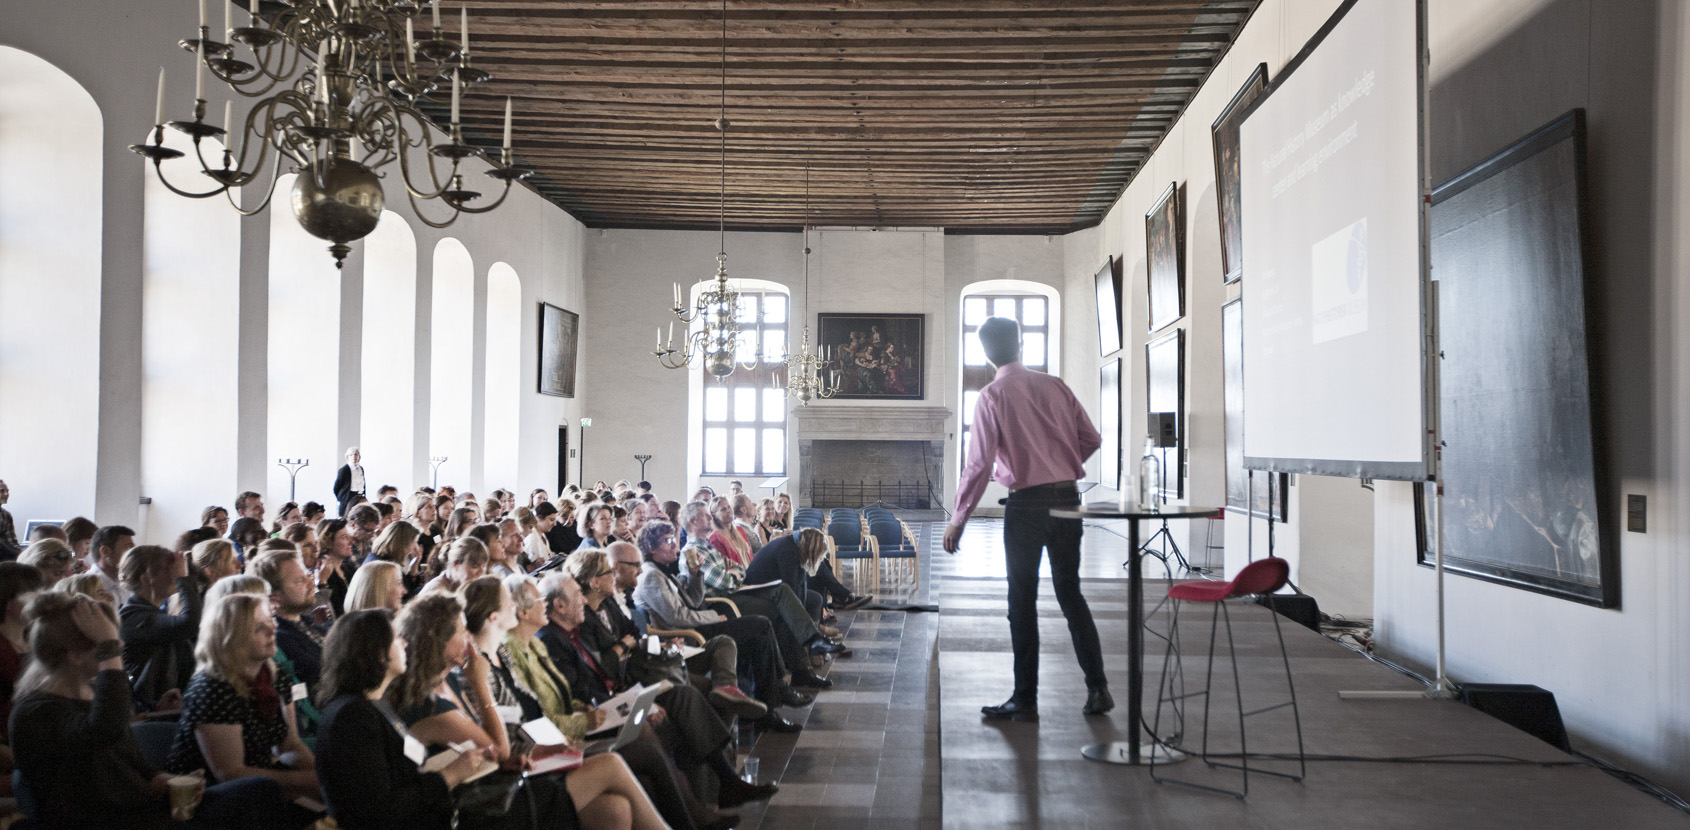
column 313, row 513
column 563, row 537
column 17, row 582
column 109, row 545
column 216, row 518
column 88, row 585
column 158, row 648
column 51, row 557
column 465, row 561
column 70, row 734
column 186, row 541
column 79, row 534
column 334, row 552
column 292, row 595
column 437, row 639
column 674, row 604
column 289, row 514
column 212, row 560
column 237, row 721
column 377, row 584
column 597, row 524
column 792, row 559
column 247, row 533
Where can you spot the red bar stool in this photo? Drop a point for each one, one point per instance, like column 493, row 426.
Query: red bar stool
column 1259, row 578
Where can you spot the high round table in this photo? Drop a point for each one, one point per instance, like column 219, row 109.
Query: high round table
column 1132, row 750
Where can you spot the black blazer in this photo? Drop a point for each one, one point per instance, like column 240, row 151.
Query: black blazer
column 780, row 560
column 583, row 681
column 367, row 781
column 158, row 648
column 343, row 492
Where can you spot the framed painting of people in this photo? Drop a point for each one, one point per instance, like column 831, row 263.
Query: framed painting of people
column 875, row 356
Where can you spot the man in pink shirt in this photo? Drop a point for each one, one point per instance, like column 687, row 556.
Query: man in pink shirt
column 1031, row 425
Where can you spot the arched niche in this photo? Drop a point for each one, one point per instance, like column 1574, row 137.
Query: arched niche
column 452, row 361
column 503, row 422
column 190, row 309
column 387, row 429
column 50, row 252
column 303, row 358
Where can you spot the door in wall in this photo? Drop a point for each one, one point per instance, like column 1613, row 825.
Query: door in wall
column 562, row 457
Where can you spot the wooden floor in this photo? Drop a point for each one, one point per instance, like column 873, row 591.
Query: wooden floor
column 899, row 742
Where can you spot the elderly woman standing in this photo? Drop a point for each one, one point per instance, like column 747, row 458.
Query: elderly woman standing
column 237, row 721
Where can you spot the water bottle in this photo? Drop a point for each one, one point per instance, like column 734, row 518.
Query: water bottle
column 1149, row 475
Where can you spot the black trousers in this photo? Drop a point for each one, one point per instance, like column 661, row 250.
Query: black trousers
column 1028, row 531
column 827, row 583
column 759, row 654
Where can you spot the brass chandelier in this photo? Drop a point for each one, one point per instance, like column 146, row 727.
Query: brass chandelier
column 337, row 84
column 716, row 310
column 810, row 376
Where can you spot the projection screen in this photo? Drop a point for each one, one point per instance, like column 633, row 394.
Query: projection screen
column 1331, row 179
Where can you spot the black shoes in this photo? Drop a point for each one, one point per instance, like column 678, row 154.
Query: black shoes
column 775, row 723
column 822, row 645
column 793, row 698
column 1012, row 709
column 735, row 792
column 853, row 602
column 809, row 679
column 1098, row 701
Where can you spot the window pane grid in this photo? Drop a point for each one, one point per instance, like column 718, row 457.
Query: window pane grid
column 1031, row 312
column 745, row 412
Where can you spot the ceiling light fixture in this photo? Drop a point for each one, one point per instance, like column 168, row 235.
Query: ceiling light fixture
column 804, row 371
column 340, row 119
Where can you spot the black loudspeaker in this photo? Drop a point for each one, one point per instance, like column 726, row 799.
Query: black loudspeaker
column 1298, row 608
column 1163, row 428
column 1530, row 709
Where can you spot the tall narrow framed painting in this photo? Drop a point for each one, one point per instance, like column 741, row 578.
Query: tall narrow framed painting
column 1164, row 363
column 1109, row 307
column 1224, row 133
column 1109, row 413
column 1164, row 231
column 560, row 332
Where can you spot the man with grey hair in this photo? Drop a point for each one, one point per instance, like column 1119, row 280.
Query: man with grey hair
column 349, row 481
column 675, row 603
column 1030, row 425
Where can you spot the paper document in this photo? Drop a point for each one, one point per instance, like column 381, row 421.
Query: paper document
column 689, row 652
column 441, row 760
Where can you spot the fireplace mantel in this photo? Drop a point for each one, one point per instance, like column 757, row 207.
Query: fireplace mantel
column 844, row 422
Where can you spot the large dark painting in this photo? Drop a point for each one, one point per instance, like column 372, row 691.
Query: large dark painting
column 1109, row 412
column 879, row 357
column 1164, row 363
column 1239, row 481
column 1521, row 468
column 1109, row 307
column 559, row 334
column 1164, row 231
column 1225, row 134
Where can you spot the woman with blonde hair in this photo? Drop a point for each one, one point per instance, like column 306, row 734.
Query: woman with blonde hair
column 158, row 647
column 89, row 585
column 732, row 541
column 213, row 559
column 238, row 584
column 237, row 715
column 73, row 747
column 377, row 584
column 464, row 562
column 597, row 522
column 564, row 536
column 53, row 558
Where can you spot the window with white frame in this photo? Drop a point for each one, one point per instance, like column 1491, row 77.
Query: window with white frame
column 745, row 412
column 1032, row 312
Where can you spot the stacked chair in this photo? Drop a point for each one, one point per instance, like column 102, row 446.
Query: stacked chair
column 893, row 540
column 847, row 543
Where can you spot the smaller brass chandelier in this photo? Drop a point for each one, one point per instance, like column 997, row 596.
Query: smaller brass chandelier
column 810, row 376
column 716, row 310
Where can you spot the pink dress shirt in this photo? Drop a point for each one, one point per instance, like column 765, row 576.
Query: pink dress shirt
column 1033, row 427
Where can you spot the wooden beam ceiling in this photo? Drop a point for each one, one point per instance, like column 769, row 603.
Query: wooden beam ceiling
column 982, row 115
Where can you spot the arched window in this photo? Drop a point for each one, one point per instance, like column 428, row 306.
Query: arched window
column 50, row 217
column 744, row 414
column 452, row 362
column 502, row 434
column 387, row 418
column 190, row 325
column 304, row 358
column 1035, row 306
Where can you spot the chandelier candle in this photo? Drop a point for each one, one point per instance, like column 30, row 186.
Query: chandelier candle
column 463, row 28
column 158, row 110
column 507, row 144
column 434, row 7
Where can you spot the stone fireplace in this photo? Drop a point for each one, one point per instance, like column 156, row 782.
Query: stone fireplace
column 849, row 455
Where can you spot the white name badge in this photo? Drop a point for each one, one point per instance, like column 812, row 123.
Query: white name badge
column 300, row 692
column 415, row 750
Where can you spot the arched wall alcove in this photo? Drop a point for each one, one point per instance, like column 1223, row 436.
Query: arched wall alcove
column 303, row 357
column 501, row 438
column 190, row 310
column 452, row 362
column 387, row 428
column 697, row 381
column 50, row 255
